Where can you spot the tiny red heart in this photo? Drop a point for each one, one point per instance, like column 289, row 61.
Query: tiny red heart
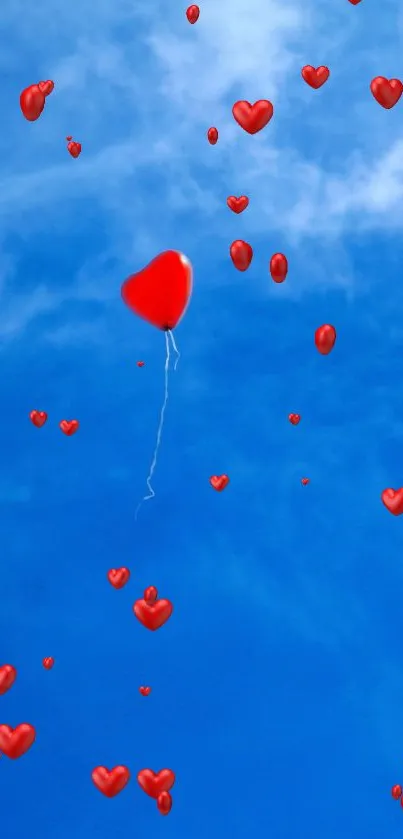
column 46, row 87
column 150, row 594
column 315, row 76
column 252, row 118
column 278, row 267
column 164, row 803
column 140, row 364
column 38, row 418
column 237, row 205
column 145, row 691
column 294, row 418
column 355, row 2
column 118, row 577
column 74, row 149
column 110, row 782
column 68, row 139
column 8, row 675
column 387, row 92
column 155, row 783
column 393, row 500
column 14, row 742
column 219, row 482
column 69, row 427
column 397, row 792
column 241, row 254
column 153, row 615
column 212, row 135
column 325, row 338
column 48, row 663
column 192, row 14
column 304, row 481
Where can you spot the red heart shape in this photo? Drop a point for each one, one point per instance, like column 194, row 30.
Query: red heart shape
column 304, row 481
column 14, row 742
column 145, row 691
column 150, row 594
column 278, row 267
column 237, row 205
column 192, row 14
column 160, row 292
column 110, row 782
column 315, row 76
column 355, row 2
column 32, row 102
column 140, row 364
column 164, row 803
column 69, row 427
column 74, row 149
column 8, row 675
column 46, row 87
column 118, row 577
column 212, row 135
column 155, row 783
column 252, row 118
column 38, row 418
column 241, row 254
column 153, row 615
column 219, row 482
column 48, row 663
column 387, row 92
column 294, row 418
column 393, row 500
column 325, row 338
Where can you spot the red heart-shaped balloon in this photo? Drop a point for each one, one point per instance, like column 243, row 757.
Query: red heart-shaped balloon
column 278, row 267
column 325, row 338
column 219, row 482
column 150, row 594
column 393, row 500
column 8, row 675
column 397, row 792
column 69, row 427
column 140, row 364
column 160, row 292
column 38, row 418
column 145, row 690
column 32, row 102
column 46, row 87
column 304, row 481
column 164, row 803
column 153, row 615
column 252, row 118
column 212, row 135
column 315, row 76
column 294, row 418
column 387, row 92
column 48, row 663
column 237, row 205
column 118, row 577
column 192, row 14
column 110, row 782
column 74, row 149
column 241, row 254
column 155, row 783
column 14, row 742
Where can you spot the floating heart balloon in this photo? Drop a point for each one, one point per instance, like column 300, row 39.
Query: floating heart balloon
column 325, row 338
column 278, row 267
column 32, row 102
column 46, row 87
column 241, row 254
column 118, row 577
column 160, row 293
column 8, row 675
column 38, row 418
column 68, row 139
column 150, row 594
column 69, row 427
column 145, row 691
column 387, row 92
column 252, row 118
column 74, row 149
column 15, row 742
column 48, row 663
column 164, row 803
column 192, row 14
column 237, row 205
column 397, row 792
column 393, row 500
column 304, row 481
column 140, row 364
column 355, row 2
column 219, row 482
column 315, row 76
column 110, row 782
column 153, row 615
column 212, row 136
column 155, row 783
column 294, row 418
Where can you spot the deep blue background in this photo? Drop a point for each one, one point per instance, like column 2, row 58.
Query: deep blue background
column 277, row 684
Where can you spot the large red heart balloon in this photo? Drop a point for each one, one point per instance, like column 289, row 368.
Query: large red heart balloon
column 155, row 783
column 160, row 292
column 252, row 118
column 14, row 742
column 387, row 92
column 153, row 615
column 8, row 675
column 393, row 500
column 110, row 782
column 32, row 102
column 315, row 76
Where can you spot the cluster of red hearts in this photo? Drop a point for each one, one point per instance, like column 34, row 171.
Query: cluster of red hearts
column 32, row 103
column 69, row 427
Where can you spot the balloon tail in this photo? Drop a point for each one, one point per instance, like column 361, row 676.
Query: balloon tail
column 175, row 348
column 151, row 493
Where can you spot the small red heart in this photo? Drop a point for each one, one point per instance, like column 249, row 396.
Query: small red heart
column 48, row 663
column 397, row 792
column 252, row 118
column 325, row 338
column 8, row 675
column 315, row 76
column 241, row 254
column 110, row 782
column 355, row 2
column 164, row 803
column 38, row 418
column 69, row 427
column 294, row 418
column 150, row 594
column 192, row 14
column 145, row 691
column 155, row 783
column 74, row 149
column 393, row 500
column 14, row 742
column 140, row 364
column 237, row 205
column 46, row 87
column 212, row 135
column 32, row 102
column 387, row 92
column 68, row 139
column 278, row 267
column 219, row 482
column 118, row 577
column 304, row 481
column 153, row 615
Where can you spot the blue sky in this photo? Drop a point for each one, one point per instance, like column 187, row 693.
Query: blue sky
column 278, row 682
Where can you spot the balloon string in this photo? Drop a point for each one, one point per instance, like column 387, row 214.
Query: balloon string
column 159, row 432
column 178, row 355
